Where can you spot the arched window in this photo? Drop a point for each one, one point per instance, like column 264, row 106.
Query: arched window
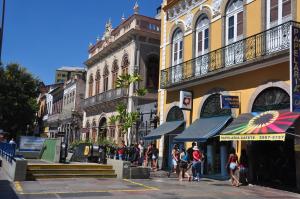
column 105, row 78
column 175, row 114
column 94, row 130
column 91, row 83
column 177, row 47
column 115, row 70
column 152, row 67
column 272, row 98
column 103, row 128
column 125, row 64
column 202, row 36
column 212, row 108
column 202, row 43
column 97, row 89
column 278, row 11
column 234, row 21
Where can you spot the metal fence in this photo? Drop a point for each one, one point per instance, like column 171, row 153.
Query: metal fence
column 7, row 151
column 266, row 43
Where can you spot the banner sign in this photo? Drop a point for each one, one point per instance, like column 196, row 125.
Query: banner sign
column 254, row 137
column 228, row 102
column 295, row 69
column 31, row 143
column 186, row 100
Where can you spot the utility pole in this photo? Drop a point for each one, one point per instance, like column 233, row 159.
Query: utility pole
column 2, row 30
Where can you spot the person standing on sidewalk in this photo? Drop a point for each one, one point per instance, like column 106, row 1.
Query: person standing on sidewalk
column 175, row 158
column 197, row 157
column 232, row 164
column 183, row 165
column 190, row 154
column 154, row 157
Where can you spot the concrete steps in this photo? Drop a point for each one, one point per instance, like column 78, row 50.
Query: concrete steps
column 49, row 171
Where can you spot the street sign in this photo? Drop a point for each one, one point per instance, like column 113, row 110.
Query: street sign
column 229, row 101
column 295, row 69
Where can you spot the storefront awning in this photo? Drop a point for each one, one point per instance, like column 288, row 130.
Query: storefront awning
column 203, row 128
column 269, row 125
column 165, row 128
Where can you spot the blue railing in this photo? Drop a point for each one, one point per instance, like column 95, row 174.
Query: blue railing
column 8, row 151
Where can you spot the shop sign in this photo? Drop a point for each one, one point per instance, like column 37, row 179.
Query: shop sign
column 295, row 69
column 186, row 100
column 228, row 101
column 31, row 143
column 254, row 137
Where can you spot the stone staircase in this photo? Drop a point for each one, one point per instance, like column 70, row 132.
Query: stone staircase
column 48, row 171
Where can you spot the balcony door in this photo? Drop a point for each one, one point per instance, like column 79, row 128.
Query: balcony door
column 177, row 56
column 202, row 39
column 278, row 12
column 234, row 53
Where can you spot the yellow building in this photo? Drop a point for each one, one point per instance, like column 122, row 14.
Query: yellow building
column 214, row 48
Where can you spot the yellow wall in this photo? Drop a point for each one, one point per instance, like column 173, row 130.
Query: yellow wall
column 254, row 18
column 243, row 85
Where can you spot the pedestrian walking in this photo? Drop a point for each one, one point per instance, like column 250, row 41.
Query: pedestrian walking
column 183, row 165
column 175, row 158
column 243, row 167
column 232, row 164
column 148, row 156
column 197, row 156
column 142, row 153
column 190, row 154
column 154, row 157
column 12, row 141
column 122, row 150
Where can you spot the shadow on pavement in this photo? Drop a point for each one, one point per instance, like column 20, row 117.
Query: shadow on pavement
column 6, row 191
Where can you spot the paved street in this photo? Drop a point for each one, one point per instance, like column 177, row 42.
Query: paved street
column 160, row 188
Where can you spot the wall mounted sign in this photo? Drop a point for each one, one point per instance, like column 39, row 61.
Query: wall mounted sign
column 295, row 69
column 228, row 101
column 31, row 143
column 186, row 100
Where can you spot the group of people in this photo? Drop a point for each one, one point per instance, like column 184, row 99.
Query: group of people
column 137, row 154
column 188, row 163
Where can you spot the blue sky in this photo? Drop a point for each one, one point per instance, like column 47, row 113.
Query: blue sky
column 43, row 35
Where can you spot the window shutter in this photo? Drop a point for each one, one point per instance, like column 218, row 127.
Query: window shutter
column 239, row 24
column 200, row 42
column 273, row 10
column 286, row 8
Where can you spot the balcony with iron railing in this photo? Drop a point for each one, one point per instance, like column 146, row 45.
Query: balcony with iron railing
column 103, row 97
column 268, row 43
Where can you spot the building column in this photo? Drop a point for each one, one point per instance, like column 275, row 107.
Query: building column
column 223, row 159
column 210, row 158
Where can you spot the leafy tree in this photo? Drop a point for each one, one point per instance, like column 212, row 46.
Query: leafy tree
column 125, row 119
column 18, row 94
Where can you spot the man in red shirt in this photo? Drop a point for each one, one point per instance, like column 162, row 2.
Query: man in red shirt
column 197, row 157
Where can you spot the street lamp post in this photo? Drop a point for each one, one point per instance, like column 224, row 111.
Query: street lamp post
column 2, row 29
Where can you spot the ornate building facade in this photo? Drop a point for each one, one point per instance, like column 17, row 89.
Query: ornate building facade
column 215, row 48
column 131, row 47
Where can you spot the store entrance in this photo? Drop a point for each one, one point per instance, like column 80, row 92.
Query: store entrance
column 273, row 163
